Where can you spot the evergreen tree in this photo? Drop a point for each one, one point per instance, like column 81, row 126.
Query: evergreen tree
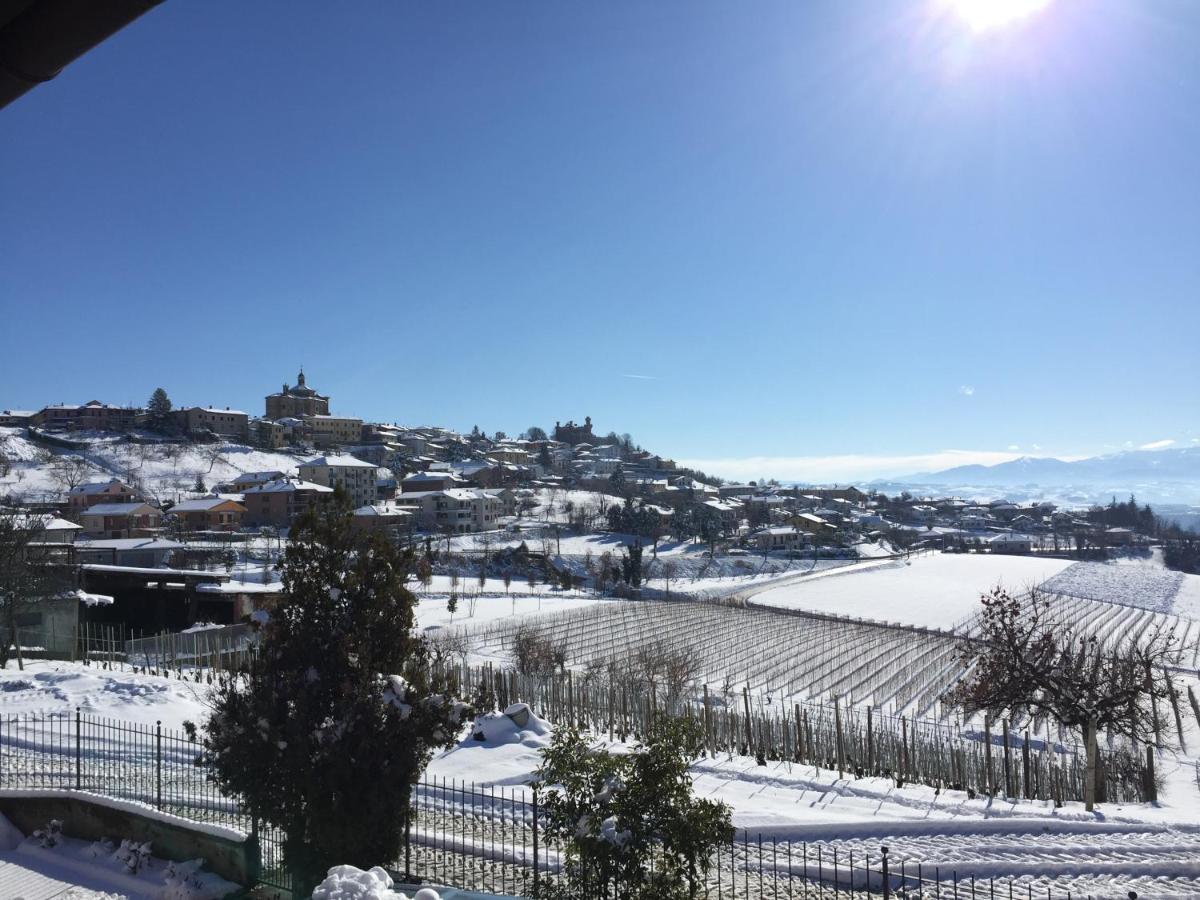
column 630, row 820
column 324, row 734
column 158, row 412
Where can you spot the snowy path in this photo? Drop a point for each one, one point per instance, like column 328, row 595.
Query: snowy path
column 23, row 877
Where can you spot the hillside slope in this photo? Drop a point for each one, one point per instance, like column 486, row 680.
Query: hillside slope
column 160, row 471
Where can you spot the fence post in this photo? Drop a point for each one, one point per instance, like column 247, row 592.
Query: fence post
column 870, row 743
column 536, row 873
column 408, row 813
column 841, row 747
column 78, row 754
column 887, row 883
column 158, row 763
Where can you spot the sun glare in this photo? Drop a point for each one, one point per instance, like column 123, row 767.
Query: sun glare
column 985, row 15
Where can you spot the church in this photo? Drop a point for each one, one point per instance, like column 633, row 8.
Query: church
column 296, row 402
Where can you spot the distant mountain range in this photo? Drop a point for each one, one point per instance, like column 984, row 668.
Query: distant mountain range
column 1170, row 476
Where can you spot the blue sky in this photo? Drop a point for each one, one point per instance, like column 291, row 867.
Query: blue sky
column 832, row 236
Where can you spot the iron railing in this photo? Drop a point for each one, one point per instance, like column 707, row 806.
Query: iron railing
column 460, row 834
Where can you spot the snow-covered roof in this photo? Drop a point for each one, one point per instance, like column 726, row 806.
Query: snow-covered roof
column 217, row 409
column 430, row 476
column 338, row 462
column 370, row 510
column 118, row 509
column 92, row 599
column 204, row 504
column 128, row 544
column 809, row 517
column 96, row 487
column 1010, row 539
column 256, row 477
column 240, row 587
column 287, row 486
column 30, row 521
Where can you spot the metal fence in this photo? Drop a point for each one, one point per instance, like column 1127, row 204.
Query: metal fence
column 458, row 834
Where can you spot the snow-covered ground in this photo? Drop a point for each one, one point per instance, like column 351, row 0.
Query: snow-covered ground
column 1145, row 585
column 162, row 471
column 935, row 591
column 1152, row 849
column 493, row 603
column 65, row 868
column 48, row 687
column 1128, row 846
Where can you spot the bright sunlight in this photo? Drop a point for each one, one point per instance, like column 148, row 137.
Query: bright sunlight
column 985, row 15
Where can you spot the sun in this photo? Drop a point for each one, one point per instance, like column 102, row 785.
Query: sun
column 985, row 15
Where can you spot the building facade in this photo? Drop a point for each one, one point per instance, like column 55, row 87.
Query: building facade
column 355, row 477
column 297, row 401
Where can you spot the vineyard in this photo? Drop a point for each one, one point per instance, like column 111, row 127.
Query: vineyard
column 781, row 657
column 788, row 656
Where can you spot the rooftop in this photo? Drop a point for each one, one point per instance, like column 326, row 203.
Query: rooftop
column 339, row 462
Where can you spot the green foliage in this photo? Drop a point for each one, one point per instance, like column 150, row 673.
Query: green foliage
column 631, row 566
column 629, row 824
column 1183, row 555
column 158, row 412
column 325, row 733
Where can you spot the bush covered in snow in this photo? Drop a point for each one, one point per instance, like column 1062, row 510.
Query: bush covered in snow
column 516, row 725
column 350, row 883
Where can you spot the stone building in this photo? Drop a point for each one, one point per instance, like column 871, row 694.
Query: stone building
column 297, row 401
column 572, row 434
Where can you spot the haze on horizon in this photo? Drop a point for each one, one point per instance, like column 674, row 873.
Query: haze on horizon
column 840, row 239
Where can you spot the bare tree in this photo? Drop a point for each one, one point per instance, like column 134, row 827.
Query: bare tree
column 27, row 576
column 537, row 653
column 669, row 570
column 670, row 668
column 1032, row 658
column 68, row 471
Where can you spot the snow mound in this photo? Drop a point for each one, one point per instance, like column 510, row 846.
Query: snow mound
column 516, row 725
column 351, row 883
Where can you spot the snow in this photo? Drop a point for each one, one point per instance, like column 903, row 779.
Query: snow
column 1147, row 586
column 1187, row 600
column 934, row 591
column 350, row 883
column 165, row 471
column 132, row 806
column 82, row 870
column 48, row 687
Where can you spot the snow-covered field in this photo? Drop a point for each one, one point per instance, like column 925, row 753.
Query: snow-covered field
column 1145, row 585
column 935, row 591
column 493, row 603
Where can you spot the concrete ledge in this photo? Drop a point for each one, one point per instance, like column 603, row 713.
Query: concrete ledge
column 227, row 852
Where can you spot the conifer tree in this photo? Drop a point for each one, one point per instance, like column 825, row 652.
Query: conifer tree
column 325, row 733
column 158, row 412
